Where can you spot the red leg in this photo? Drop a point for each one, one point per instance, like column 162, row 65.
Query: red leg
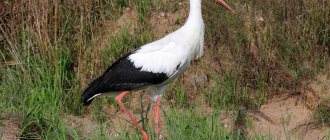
column 118, row 99
column 156, row 116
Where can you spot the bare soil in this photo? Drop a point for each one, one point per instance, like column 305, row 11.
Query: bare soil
column 10, row 126
column 291, row 114
column 128, row 20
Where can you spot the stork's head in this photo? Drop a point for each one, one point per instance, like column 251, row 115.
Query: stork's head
column 224, row 4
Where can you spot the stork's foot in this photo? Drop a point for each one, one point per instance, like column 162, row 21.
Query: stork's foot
column 118, row 99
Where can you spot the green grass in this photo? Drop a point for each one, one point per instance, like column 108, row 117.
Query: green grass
column 45, row 66
column 180, row 126
column 36, row 94
column 321, row 113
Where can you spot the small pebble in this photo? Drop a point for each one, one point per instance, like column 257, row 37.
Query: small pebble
column 201, row 79
column 162, row 14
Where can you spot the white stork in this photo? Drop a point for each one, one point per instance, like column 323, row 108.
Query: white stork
column 153, row 66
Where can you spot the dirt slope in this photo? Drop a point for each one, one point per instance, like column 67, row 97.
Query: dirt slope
column 291, row 115
column 10, row 126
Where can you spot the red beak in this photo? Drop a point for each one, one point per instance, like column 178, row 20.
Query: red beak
column 224, row 4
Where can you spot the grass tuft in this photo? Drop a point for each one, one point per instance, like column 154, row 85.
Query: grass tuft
column 321, row 113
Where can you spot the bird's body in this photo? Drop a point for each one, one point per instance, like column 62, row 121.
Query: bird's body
column 153, row 66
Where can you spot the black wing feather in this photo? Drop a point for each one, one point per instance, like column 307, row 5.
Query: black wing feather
column 121, row 76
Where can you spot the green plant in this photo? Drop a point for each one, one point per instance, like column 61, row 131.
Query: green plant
column 321, row 113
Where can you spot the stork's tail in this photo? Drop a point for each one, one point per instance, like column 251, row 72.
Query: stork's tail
column 91, row 91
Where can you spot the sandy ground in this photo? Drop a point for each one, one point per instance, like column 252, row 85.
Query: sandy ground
column 290, row 114
column 10, row 126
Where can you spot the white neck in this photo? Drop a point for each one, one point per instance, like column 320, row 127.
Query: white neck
column 193, row 29
column 195, row 13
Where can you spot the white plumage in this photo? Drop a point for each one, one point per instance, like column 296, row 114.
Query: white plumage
column 167, row 53
column 173, row 53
